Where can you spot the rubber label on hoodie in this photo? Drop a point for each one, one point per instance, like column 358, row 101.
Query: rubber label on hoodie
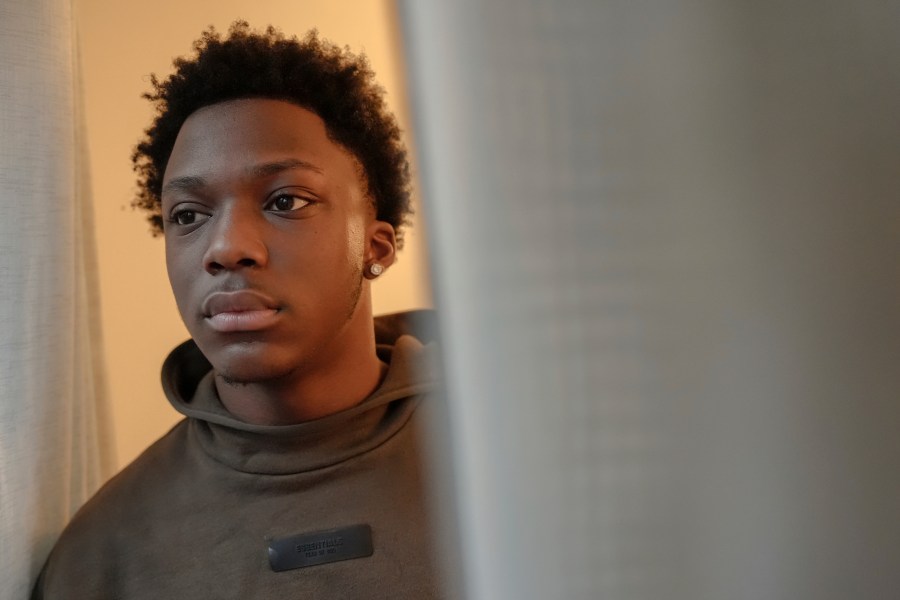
column 320, row 547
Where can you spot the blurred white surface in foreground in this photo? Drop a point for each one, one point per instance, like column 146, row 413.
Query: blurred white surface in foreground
column 667, row 259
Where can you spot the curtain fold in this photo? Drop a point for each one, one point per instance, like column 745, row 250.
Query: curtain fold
column 55, row 445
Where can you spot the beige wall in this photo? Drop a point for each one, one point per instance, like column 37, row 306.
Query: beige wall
column 121, row 44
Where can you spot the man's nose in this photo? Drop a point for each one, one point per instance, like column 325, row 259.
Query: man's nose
column 236, row 242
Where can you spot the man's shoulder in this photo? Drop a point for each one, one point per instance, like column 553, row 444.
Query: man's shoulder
column 87, row 546
column 129, row 492
column 141, row 480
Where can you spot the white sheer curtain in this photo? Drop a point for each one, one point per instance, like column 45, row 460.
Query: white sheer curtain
column 666, row 246
column 54, row 437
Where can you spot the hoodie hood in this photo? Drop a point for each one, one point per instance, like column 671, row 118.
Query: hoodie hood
column 404, row 341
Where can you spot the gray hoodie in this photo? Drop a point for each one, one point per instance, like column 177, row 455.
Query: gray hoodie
column 199, row 513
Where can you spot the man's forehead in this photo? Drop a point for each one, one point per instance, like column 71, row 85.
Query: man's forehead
column 255, row 138
column 277, row 125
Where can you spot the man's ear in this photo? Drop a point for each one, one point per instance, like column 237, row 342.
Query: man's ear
column 381, row 246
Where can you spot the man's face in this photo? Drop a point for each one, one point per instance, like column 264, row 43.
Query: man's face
column 267, row 228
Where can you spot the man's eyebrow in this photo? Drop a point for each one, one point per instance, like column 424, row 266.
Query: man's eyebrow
column 273, row 168
column 187, row 183
column 193, row 182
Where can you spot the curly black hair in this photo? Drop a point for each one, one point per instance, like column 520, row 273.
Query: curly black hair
column 312, row 73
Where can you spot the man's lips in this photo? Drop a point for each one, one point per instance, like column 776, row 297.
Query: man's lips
column 243, row 310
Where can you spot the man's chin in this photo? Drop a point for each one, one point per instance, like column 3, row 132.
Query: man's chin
column 251, row 367
column 249, row 374
column 249, row 363
column 232, row 381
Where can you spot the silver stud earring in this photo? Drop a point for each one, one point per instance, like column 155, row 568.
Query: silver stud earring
column 376, row 269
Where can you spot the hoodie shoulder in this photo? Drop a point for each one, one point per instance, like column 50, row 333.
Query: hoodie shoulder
column 420, row 324
column 83, row 562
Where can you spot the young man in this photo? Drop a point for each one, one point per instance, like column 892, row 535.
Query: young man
column 280, row 184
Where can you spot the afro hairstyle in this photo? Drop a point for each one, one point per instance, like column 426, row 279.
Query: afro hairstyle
column 312, row 73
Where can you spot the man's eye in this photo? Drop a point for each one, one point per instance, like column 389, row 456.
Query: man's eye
column 188, row 217
column 185, row 217
column 287, row 202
